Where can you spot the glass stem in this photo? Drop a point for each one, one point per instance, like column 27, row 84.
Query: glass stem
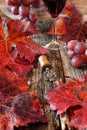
column 54, row 29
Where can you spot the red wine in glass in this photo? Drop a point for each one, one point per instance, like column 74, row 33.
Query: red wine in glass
column 54, row 7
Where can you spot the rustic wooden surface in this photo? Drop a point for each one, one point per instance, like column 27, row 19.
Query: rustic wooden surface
column 60, row 64
column 41, row 86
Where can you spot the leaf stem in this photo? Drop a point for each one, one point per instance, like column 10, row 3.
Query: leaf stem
column 4, row 40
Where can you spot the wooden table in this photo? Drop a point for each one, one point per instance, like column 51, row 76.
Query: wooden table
column 60, row 63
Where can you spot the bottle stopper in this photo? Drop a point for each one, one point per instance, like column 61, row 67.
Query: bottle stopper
column 44, row 62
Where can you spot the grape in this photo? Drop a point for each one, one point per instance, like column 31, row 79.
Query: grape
column 70, row 53
column 9, row 2
column 23, row 8
column 79, row 48
column 76, row 61
column 71, row 44
column 77, row 52
column 16, row 2
column 33, row 17
column 23, row 11
column 27, row 2
column 36, row 3
column 86, row 52
column 9, row 8
column 25, row 19
column 84, row 57
column 15, row 9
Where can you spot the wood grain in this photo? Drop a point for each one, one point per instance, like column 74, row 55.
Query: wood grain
column 41, row 86
column 60, row 63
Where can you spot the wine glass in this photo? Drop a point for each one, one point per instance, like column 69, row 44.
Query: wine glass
column 54, row 7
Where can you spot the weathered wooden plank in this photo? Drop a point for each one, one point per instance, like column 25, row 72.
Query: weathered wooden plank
column 41, row 86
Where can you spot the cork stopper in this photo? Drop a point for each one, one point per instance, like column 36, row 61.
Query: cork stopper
column 48, row 73
column 44, row 62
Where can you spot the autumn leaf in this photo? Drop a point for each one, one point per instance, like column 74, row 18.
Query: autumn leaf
column 29, row 110
column 18, row 52
column 79, row 119
column 61, row 99
column 76, row 28
column 71, row 27
column 1, row 30
column 18, row 56
column 20, row 110
column 18, row 106
column 66, row 96
column 31, row 49
column 10, row 84
column 17, row 29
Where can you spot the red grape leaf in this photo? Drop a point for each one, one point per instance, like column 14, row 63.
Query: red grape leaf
column 29, row 110
column 69, row 95
column 19, row 52
column 20, row 110
column 20, row 69
column 79, row 87
column 73, row 27
column 9, row 60
column 10, row 84
column 79, row 119
column 31, row 48
column 17, row 29
column 18, row 107
column 61, row 99
column 1, row 30
column 75, row 30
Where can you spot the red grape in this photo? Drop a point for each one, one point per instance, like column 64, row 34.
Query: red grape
column 36, row 3
column 84, row 57
column 70, row 53
column 86, row 52
column 27, row 2
column 25, row 19
column 79, row 48
column 76, row 61
column 22, row 7
column 15, row 10
column 23, row 11
column 16, row 2
column 9, row 2
column 33, row 17
column 77, row 52
column 71, row 44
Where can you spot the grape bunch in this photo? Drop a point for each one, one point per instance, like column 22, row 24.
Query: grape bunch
column 77, row 52
column 23, row 7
